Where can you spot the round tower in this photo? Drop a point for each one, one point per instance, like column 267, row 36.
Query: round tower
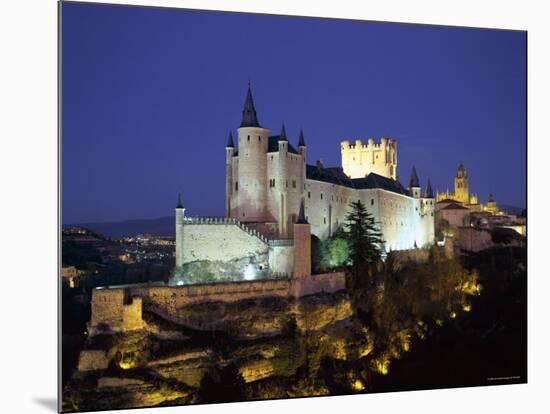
column 229, row 153
column 282, row 177
column 180, row 214
column 251, row 184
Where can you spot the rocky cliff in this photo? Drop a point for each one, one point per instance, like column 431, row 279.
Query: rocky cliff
column 265, row 348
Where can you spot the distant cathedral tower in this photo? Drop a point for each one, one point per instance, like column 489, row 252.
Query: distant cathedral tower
column 462, row 193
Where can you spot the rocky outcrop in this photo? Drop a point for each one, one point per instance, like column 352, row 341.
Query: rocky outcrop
column 269, row 340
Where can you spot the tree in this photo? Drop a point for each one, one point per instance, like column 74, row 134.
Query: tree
column 337, row 249
column 338, row 252
column 318, row 255
column 364, row 240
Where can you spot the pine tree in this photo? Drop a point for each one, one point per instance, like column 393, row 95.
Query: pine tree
column 365, row 241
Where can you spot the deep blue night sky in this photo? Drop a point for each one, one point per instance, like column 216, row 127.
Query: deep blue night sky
column 150, row 95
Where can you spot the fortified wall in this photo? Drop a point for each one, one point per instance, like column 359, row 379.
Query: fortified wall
column 113, row 310
column 232, row 246
column 220, row 239
column 120, row 309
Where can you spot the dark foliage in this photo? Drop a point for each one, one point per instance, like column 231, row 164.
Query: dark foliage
column 221, row 385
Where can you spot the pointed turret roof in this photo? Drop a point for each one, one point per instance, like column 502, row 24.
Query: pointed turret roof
column 230, row 143
column 301, row 141
column 180, row 203
column 414, row 179
column 429, row 190
column 282, row 136
column 301, row 215
column 250, row 119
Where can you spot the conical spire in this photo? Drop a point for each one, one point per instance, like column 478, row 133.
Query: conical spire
column 230, row 143
column 282, row 136
column 250, row 119
column 301, row 215
column 429, row 190
column 414, row 179
column 301, row 141
column 180, row 203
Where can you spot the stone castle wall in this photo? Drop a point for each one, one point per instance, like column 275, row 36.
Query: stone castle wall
column 108, row 308
column 220, row 240
column 403, row 220
column 110, row 313
column 322, row 283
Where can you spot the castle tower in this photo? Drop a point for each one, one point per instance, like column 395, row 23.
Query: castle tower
column 302, row 144
column 229, row 153
column 414, row 184
column 283, row 180
column 462, row 193
column 359, row 159
column 302, row 150
column 251, row 184
column 429, row 191
column 302, row 246
column 180, row 214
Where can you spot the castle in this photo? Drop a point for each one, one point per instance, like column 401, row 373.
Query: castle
column 271, row 193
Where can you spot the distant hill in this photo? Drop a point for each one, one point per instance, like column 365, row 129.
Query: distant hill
column 163, row 226
column 510, row 209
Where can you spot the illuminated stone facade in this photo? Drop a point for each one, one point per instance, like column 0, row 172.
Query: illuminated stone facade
column 359, row 159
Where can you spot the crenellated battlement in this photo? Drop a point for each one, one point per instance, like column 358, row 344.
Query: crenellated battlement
column 360, row 159
column 370, row 144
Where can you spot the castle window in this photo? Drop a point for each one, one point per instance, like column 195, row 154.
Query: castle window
column 324, row 220
column 293, row 183
column 286, row 183
column 307, row 218
column 259, row 138
column 321, row 196
column 236, row 186
column 372, row 201
column 309, row 194
column 248, row 138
